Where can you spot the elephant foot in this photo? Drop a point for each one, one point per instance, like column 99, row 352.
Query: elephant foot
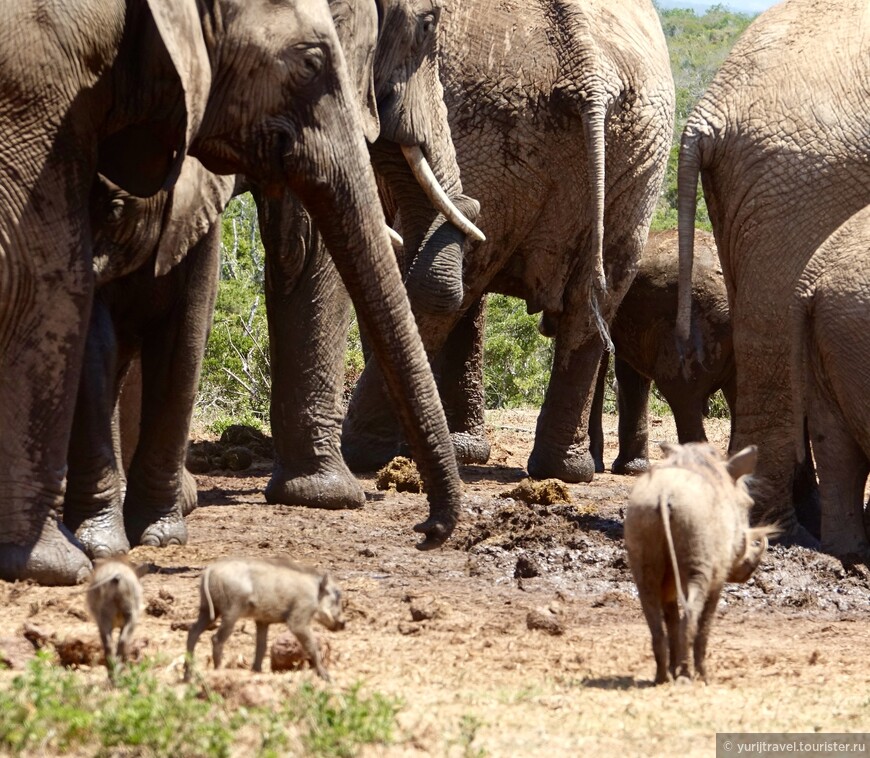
column 56, row 558
column 574, row 467
column 157, row 531
column 102, row 535
column 98, row 524
column 333, row 488
column 631, row 467
column 470, row 448
column 366, row 453
column 153, row 521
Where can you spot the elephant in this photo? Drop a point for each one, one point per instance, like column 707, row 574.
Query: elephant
column 307, row 307
column 830, row 331
column 561, row 115
column 780, row 141
column 160, row 324
column 144, row 84
column 647, row 351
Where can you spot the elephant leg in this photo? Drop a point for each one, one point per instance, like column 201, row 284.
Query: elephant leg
column 842, row 468
column 158, row 486
column 561, row 447
column 632, row 399
column 309, row 316
column 95, row 486
column 46, row 289
column 596, row 432
column 459, row 371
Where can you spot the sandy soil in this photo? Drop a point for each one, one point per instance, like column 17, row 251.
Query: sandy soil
column 448, row 631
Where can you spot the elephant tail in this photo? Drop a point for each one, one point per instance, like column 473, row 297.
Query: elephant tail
column 691, row 163
column 594, row 117
column 799, row 368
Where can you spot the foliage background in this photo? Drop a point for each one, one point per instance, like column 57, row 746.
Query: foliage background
column 235, row 383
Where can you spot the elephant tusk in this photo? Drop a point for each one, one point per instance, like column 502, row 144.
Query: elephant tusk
column 395, row 238
column 436, row 194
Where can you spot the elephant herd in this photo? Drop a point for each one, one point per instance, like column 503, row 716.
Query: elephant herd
column 513, row 148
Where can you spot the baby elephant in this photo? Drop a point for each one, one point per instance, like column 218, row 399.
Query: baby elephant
column 687, row 533
column 115, row 599
column 270, row 591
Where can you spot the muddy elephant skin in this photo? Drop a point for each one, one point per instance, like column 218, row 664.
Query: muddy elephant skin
column 780, row 141
column 830, row 342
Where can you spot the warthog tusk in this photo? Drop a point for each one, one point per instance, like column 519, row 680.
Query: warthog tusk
column 436, row 194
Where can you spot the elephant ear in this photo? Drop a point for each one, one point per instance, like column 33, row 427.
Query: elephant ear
column 358, row 25
column 194, row 205
column 146, row 155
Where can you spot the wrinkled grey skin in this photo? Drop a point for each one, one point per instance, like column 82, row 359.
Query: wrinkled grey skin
column 830, row 343
column 308, row 309
column 557, row 143
column 270, row 591
column 780, row 140
column 206, row 58
column 647, row 351
column 687, row 533
column 116, row 601
column 162, row 324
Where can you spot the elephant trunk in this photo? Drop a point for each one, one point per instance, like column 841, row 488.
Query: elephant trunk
column 348, row 212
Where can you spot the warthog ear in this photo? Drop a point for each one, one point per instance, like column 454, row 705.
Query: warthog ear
column 743, row 463
column 142, row 569
column 669, row 448
column 754, row 545
column 323, row 588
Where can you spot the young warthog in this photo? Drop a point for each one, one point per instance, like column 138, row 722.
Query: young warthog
column 115, row 599
column 687, row 526
column 270, row 591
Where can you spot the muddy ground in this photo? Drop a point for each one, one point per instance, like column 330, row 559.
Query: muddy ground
column 449, row 631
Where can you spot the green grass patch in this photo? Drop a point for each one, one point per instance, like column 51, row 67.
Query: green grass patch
column 51, row 710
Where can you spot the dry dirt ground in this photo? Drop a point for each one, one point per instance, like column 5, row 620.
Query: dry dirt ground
column 448, row 631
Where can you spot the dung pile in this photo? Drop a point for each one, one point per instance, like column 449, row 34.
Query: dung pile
column 399, row 474
column 543, row 492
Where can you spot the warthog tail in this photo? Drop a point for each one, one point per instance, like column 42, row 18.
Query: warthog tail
column 206, row 594
column 665, row 510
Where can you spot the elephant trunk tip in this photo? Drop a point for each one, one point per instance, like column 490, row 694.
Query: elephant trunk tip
column 436, row 530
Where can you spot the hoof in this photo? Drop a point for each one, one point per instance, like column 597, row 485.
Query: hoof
column 330, row 491
column 55, row 558
column 470, row 449
column 573, row 468
column 632, row 467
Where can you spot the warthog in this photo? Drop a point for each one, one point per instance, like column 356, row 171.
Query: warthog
column 115, row 599
column 270, row 591
column 687, row 526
